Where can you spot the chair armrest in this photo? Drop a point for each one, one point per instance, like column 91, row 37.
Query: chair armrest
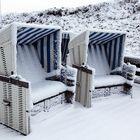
column 14, row 80
column 53, row 78
column 129, row 72
column 68, row 76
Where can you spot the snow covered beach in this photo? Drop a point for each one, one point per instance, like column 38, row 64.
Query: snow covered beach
column 111, row 118
column 115, row 117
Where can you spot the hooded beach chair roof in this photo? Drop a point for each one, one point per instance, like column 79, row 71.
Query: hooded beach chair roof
column 102, row 50
column 46, row 39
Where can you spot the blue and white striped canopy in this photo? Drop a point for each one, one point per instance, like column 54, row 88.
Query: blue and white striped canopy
column 106, row 45
column 47, row 44
column 29, row 35
column 102, row 37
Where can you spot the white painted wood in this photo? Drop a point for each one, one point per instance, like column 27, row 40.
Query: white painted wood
column 17, row 115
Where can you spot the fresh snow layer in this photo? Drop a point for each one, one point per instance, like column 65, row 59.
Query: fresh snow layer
column 108, row 80
column 116, row 117
column 45, row 89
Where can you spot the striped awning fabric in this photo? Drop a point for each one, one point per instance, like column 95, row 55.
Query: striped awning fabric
column 102, row 37
column 107, row 45
column 47, row 44
column 29, row 35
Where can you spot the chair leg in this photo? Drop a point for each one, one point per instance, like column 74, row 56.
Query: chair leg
column 128, row 90
column 131, row 92
column 46, row 106
column 69, row 97
column 62, row 98
column 131, row 95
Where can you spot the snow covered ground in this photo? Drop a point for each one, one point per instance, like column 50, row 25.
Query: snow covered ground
column 113, row 118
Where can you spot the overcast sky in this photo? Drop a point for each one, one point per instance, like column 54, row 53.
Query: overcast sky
column 8, row 6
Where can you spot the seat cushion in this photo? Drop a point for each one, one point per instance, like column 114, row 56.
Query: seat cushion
column 108, row 80
column 45, row 89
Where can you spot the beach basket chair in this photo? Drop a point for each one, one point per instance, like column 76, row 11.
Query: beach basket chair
column 31, row 73
column 99, row 58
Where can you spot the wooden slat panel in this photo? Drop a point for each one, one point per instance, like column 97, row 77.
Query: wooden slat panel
column 84, row 86
column 15, row 106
